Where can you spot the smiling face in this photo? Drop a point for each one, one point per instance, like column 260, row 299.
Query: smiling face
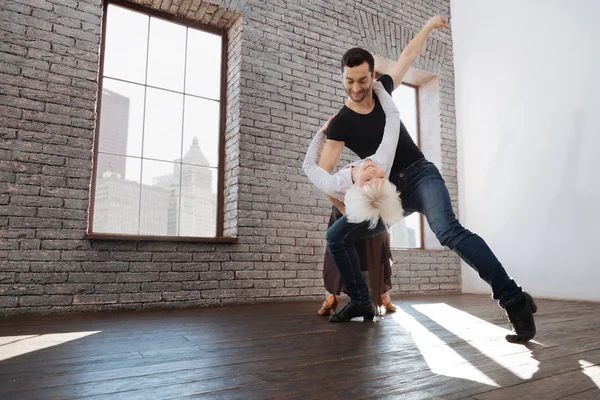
column 369, row 173
column 358, row 81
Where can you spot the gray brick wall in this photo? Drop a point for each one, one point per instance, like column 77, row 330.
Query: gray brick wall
column 283, row 84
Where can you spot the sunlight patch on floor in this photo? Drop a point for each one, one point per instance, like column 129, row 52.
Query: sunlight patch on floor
column 472, row 329
column 437, row 354
column 592, row 371
column 14, row 346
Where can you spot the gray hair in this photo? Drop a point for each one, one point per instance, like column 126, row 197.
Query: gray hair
column 373, row 202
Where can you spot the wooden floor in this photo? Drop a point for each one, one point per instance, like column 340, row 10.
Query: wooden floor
column 446, row 347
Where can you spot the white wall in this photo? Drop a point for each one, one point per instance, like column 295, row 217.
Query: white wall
column 528, row 126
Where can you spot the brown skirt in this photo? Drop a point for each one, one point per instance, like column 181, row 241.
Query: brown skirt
column 375, row 257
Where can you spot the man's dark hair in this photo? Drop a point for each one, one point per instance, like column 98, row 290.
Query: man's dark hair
column 356, row 56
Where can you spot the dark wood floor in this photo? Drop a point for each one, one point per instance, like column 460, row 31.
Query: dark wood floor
column 447, row 347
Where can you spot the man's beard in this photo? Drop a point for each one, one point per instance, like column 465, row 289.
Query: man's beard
column 364, row 96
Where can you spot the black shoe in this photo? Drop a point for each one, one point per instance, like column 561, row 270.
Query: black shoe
column 522, row 321
column 354, row 310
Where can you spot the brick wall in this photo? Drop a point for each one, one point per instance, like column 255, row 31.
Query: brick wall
column 283, row 83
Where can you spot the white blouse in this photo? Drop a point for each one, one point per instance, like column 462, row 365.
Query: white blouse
column 336, row 185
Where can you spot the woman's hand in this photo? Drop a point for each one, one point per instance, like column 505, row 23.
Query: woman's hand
column 326, row 126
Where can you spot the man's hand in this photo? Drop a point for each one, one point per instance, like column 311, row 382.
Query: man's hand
column 339, row 205
column 324, row 128
column 437, row 22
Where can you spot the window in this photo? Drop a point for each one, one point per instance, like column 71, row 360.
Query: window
column 159, row 141
column 407, row 233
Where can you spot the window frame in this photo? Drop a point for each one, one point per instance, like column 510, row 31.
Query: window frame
column 421, row 217
column 218, row 238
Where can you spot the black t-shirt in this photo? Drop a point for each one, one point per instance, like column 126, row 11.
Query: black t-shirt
column 362, row 133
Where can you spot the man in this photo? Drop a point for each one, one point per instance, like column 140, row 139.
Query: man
column 359, row 126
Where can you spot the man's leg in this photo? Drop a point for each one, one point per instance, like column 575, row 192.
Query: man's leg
column 341, row 241
column 425, row 191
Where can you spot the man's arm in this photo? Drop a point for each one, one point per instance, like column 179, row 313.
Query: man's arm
column 329, row 184
column 412, row 51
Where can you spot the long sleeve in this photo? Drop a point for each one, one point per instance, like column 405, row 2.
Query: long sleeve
column 384, row 156
column 333, row 185
column 337, row 185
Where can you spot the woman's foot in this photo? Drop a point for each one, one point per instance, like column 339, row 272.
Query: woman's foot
column 386, row 304
column 329, row 306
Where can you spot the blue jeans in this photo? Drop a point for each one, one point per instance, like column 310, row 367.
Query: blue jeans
column 423, row 190
column 341, row 240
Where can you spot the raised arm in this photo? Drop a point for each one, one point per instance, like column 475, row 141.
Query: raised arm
column 384, row 156
column 414, row 48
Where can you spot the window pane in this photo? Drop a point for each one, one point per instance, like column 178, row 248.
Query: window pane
column 158, row 139
column 116, row 201
column 198, row 203
column 160, row 185
column 162, row 130
column 166, row 55
column 201, row 132
column 407, row 233
column 121, row 119
column 405, row 98
column 203, row 71
column 126, row 44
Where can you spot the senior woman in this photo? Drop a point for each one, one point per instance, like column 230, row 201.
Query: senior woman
column 372, row 204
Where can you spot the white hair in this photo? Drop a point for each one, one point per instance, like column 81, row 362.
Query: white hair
column 372, row 202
